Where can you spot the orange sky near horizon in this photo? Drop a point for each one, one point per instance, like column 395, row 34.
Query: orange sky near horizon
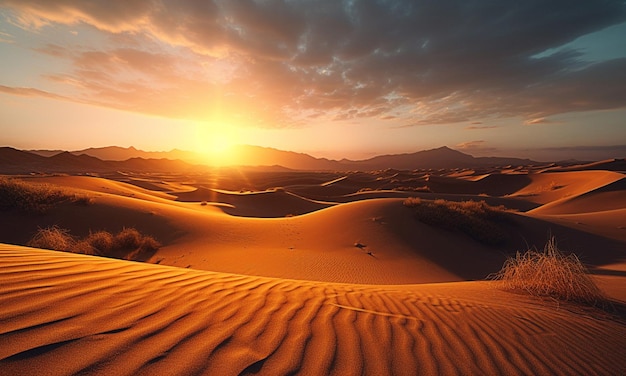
column 336, row 79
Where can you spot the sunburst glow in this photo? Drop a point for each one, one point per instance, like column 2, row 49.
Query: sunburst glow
column 217, row 143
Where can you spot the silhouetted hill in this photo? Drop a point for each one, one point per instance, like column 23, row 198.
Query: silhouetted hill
column 45, row 153
column 12, row 161
column 249, row 155
column 15, row 161
column 70, row 162
column 442, row 157
column 116, row 153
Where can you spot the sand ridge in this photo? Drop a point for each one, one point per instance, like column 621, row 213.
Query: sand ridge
column 69, row 314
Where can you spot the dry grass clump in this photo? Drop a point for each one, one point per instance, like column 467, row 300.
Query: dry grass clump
column 54, row 238
column 16, row 194
column 423, row 188
column 476, row 219
column 550, row 273
column 131, row 242
column 128, row 244
column 96, row 243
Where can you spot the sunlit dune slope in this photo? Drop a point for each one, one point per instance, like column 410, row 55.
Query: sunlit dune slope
column 103, row 185
column 271, row 203
column 611, row 196
column 615, row 164
column 551, row 186
column 71, row 314
column 338, row 187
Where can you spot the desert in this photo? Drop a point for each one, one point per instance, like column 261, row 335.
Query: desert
column 311, row 272
column 312, row 187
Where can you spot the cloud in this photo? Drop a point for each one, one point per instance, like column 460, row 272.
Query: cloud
column 471, row 144
column 478, row 147
column 6, row 38
column 477, row 127
column 541, row 120
column 290, row 62
column 29, row 92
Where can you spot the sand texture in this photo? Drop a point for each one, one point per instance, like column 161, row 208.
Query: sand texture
column 312, row 273
column 72, row 314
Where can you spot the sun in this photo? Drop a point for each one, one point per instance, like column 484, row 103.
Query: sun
column 220, row 151
column 217, row 145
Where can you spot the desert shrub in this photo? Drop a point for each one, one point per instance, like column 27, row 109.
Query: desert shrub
column 128, row 238
column 550, row 273
column 149, row 244
column 101, row 242
column 128, row 244
column 413, row 189
column 83, row 247
column 476, row 219
column 54, row 238
column 16, row 194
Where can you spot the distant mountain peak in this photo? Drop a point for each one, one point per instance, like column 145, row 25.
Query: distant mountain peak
column 260, row 156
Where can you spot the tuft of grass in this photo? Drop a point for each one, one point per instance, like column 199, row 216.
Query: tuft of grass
column 83, row 247
column 476, row 219
column 128, row 244
column 550, row 273
column 127, row 239
column 53, row 238
column 424, row 188
column 16, row 194
column 100, row 243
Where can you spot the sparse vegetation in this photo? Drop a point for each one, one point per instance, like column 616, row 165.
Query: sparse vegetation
column 550, row 273
column 127, row 244
column 20, row 195
column 423, row 188
column 476, row 219
column 53, row 238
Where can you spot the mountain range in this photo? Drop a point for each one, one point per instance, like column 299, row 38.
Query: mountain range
column 116, row 158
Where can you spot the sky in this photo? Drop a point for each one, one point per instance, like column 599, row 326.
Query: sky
column 333, row 78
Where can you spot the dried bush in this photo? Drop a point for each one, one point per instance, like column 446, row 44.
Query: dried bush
column 550, row 273
column 128, row 244
column 53, row 238
column 477, row 219
column 16, row 194
column 100, row 242
column 127, row 239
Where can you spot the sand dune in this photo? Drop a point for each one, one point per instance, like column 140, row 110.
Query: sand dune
column 71, row 314
column 330, row 274
column 609, row 165
column 394, row 247
column 265, row 204
column 102, row 185
column 551, row 186
column 607, row 197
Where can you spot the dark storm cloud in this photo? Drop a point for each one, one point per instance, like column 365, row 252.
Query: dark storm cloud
column 437, row 61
